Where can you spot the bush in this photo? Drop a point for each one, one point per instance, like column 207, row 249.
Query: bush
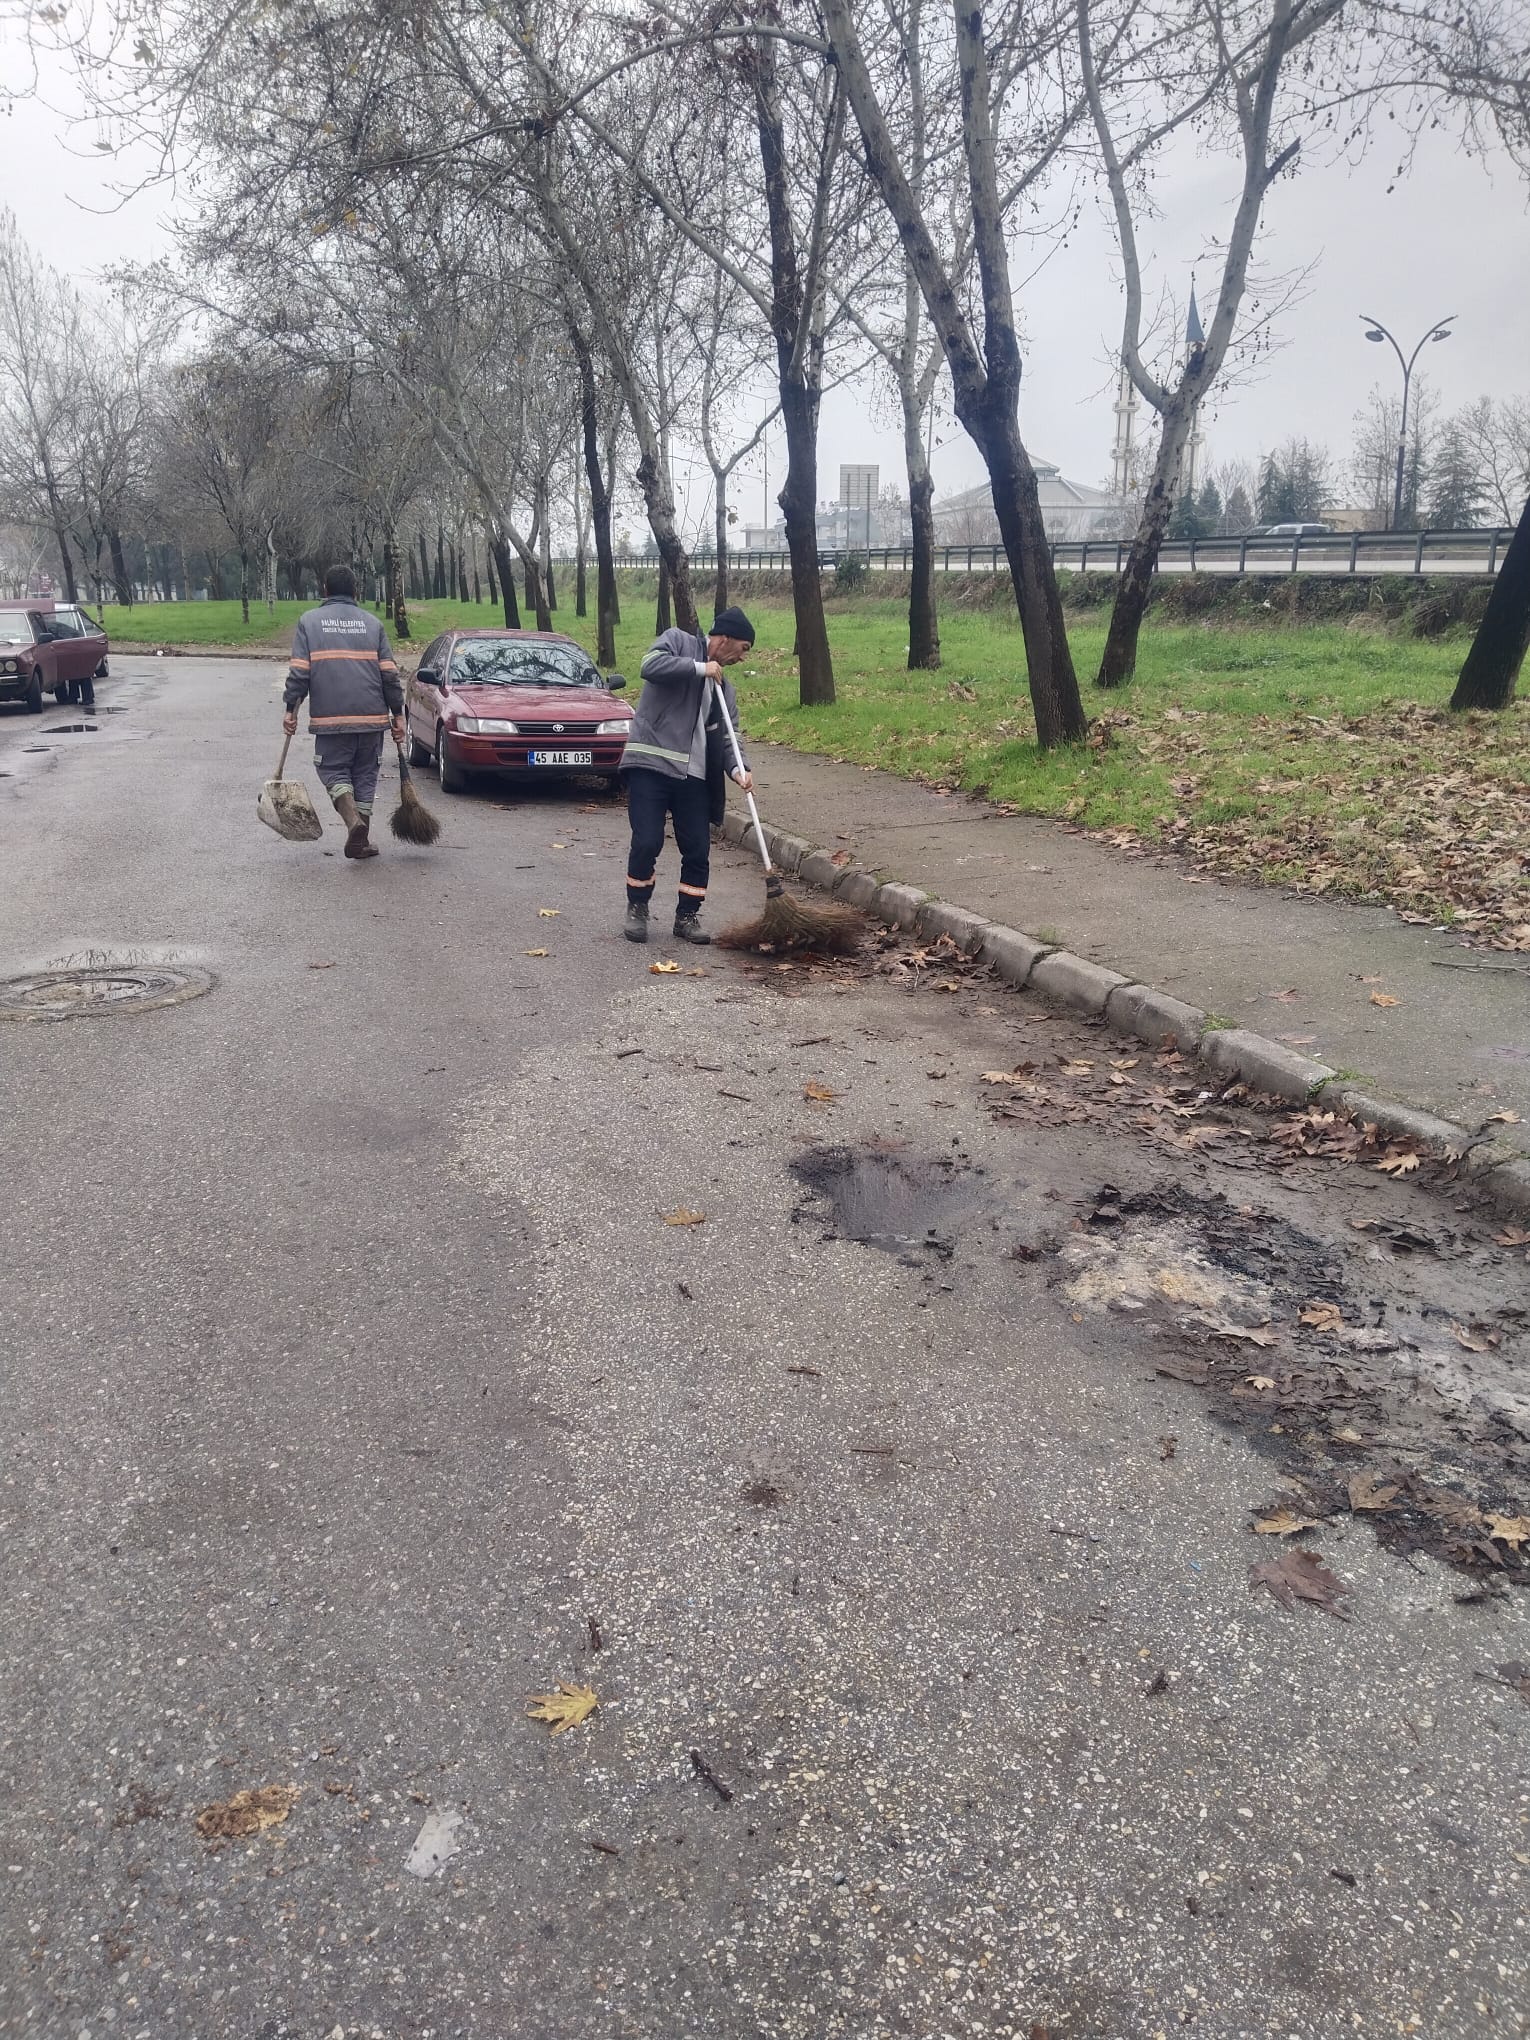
column 850, row 574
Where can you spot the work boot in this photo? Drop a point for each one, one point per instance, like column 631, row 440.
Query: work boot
column 358, row 843
column 636, row 927
column 688, row 928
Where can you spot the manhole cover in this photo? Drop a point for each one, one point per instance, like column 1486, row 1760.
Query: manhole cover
column 100, row 988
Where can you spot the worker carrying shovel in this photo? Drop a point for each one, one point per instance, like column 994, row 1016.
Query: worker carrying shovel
column 677, row 761
column 342, row 662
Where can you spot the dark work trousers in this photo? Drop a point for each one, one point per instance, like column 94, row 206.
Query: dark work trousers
column 650, row 797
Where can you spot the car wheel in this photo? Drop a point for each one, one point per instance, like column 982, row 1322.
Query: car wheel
column 452, row 778
column 103, row 671
column 61, row 692
column 419, row 753
column 34, row 695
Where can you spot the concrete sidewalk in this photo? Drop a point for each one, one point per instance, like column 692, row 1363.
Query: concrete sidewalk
column 1457, row 1043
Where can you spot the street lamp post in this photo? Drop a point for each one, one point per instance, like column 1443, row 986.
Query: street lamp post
column 1439, row 330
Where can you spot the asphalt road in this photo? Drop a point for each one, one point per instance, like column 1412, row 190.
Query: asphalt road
column 355, row 1385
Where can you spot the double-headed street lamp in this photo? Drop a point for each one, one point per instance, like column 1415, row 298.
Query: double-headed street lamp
column 1440, row 330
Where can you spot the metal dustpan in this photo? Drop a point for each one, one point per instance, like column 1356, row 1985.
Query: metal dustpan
column 284, row 806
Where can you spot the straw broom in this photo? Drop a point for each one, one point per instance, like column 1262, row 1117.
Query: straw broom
column 411, row 821
column 786, row 922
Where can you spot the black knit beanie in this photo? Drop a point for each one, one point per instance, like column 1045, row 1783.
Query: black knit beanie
column 734, row 624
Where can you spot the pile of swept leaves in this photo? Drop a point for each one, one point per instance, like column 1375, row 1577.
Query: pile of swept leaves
column 1412, row 807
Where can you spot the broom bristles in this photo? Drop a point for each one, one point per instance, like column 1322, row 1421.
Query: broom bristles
column 788, row 923
column 411, row 821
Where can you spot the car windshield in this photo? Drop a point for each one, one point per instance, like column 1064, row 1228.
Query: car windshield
column 512, row 662
column 14, row 627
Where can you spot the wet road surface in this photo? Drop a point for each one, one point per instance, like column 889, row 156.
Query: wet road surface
column 357, row 1388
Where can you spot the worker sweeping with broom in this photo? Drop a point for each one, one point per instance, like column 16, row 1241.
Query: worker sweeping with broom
column 344, row 666
column 677, row 762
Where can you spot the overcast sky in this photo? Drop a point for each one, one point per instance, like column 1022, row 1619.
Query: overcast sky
column 1455, row 237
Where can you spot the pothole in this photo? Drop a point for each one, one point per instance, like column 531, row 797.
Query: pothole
column 885, row 1197
column 71, row 729
column 86, row 991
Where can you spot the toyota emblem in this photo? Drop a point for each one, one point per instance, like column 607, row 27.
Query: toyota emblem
column 558, row 728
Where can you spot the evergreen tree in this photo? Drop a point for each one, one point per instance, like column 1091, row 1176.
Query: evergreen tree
column 1455, row 494
column 1209, row 509
column 1240, row 511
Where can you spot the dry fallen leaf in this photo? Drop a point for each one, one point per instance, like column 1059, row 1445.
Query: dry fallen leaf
column 1511, row 1530
column 1300, row 1576
column 820, row 1094
column 565, row 1708
column 1476, row 1338
column 664, row 969
column 1250, row 1335
column 1513, row 1236
column 247, row 1813
column 1327, row 1317
column 537, row 952
column 1504, row 1118
column 1384, row 999
column 685, row 1216
column 1283, row 1523
column 548, row 913
column 1347, row 1435
column 1259, row 1381
column 1367, row 1492
column 1396, row 1164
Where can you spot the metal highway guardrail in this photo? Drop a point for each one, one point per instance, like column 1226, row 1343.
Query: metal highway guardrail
column 1340, row 552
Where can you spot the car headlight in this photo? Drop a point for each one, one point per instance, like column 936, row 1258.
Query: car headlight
column 619, row 728
column 467, row 725
column 494, row 726
column 11, row 666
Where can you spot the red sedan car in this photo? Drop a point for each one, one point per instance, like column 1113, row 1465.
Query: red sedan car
column 48, row 647
column 514, row 701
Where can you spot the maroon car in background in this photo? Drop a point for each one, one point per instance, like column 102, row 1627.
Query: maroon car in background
column 528, row 702
column 48, row 648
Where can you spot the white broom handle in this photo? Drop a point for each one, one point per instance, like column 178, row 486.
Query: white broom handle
column 739, row 765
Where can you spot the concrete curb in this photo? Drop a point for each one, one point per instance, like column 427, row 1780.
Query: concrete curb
column 1496, row 1170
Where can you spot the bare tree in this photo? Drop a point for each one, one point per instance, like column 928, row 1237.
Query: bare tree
column 985, row 371
column 41, row 363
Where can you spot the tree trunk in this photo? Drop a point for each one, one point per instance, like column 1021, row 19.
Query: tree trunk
column 606, row 613
column 460, row 559
column 720, row 590
column 1055, row 700
column 387, row 578
column 71, row 591
column 1119, row 661
column 244, row 584
column 119, row 569
column 661, row 620
column 923, row 624
column 581, row 607
column 493, row 583
column 500, row 546
column 440, row 581
column 477, row 579
column 1488, row 678
column 799, row 501
column 424, row 569
column 214, row 577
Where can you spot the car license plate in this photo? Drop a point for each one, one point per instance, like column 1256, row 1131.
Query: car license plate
column 560, row 757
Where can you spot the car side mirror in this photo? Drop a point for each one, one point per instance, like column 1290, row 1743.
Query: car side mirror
column 615, row 684
column 428, row 677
